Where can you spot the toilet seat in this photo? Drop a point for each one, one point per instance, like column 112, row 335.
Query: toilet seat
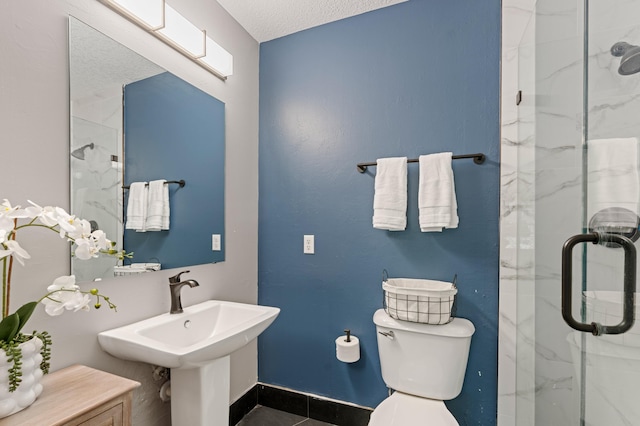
column 402, row 409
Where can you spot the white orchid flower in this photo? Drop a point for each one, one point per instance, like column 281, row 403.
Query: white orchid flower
column 16, row 251
column 12, row 247
column 65, row 295
column 12, row 212
column 4, row 235
column 100, row 239
column 47, row 215
column 66, row 222
column 7, row 224
column 85, row 249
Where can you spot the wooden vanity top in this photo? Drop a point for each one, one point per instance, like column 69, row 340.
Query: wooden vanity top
column 69, row 394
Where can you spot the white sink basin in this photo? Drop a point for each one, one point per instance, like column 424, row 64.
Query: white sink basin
column 199, row 335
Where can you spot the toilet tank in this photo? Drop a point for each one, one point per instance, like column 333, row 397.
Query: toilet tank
column 422, row 359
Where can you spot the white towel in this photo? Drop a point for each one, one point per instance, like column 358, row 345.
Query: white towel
column 437, row 193
column 158, row 206
column 613, row 180
column 390, row 198
column 137, row 206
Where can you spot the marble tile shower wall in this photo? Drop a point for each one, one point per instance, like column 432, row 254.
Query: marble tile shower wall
column 97, row 182
column 542, row 186
column 516, row 252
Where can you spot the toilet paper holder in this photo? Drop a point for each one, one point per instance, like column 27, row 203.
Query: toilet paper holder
column 348, row 349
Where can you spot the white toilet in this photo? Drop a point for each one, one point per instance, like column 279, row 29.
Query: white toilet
column 425, row 365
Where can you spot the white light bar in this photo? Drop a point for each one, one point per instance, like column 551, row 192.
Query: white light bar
column 168, row 25
column 148, row 13
column 183, row 33
column 218, row 58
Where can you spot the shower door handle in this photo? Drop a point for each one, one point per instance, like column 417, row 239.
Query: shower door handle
column 628, row 313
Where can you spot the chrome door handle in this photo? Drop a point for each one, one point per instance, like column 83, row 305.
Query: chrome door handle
column 628, row 311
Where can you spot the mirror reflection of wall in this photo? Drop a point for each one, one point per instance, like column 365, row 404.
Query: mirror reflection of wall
column 172, row 131
column 99, row 70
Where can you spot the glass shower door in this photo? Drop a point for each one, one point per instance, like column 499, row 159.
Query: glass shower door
column 579, row 186
column 609, row 367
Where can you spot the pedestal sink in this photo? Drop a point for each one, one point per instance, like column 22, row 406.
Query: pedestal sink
column 196, row 345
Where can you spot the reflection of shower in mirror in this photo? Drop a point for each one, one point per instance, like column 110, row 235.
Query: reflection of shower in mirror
column 96, row 184
column 79, row 153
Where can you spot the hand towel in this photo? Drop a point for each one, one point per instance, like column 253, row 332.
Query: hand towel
column 613, row 182
column 137, row 206
column 437, row 193
column 390, row 198
column 158, row 206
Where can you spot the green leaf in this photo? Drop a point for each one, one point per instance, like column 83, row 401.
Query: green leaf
column 9, row 327
column 24, row 313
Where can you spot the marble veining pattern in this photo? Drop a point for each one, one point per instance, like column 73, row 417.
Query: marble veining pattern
column 541, row 206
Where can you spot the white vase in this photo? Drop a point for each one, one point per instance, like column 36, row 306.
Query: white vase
column 30, row 387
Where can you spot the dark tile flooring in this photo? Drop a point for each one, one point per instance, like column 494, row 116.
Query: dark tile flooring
column 265, row 416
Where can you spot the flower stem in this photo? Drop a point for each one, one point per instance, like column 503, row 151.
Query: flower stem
column 93, row 292
column 6, row 300
column 4, row 285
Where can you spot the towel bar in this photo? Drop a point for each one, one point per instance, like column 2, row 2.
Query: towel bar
column 180, row 182
column 477, row 158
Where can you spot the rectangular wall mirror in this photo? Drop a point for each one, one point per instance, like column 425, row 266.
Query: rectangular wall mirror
column 134, row 122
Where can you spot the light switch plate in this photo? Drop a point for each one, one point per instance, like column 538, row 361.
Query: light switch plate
column 215, row 242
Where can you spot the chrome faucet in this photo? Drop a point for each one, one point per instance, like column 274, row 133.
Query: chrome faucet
column 175, row 285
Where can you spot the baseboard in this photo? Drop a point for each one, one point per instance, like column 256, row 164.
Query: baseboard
column 315, row 407
column 243, row 405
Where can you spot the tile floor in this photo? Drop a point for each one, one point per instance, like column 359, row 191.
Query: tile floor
column 265, row 416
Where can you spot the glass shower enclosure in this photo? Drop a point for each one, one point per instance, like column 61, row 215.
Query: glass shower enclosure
column 573, row 229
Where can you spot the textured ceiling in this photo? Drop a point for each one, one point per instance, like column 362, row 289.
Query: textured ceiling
column 269, row 19
column 98, row 61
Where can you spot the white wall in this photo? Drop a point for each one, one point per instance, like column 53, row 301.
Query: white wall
column 34, row 139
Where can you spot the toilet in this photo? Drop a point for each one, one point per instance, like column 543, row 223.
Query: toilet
column 425, row 365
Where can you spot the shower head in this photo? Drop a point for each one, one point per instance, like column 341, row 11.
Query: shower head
column 630, row 61
column 79, row 153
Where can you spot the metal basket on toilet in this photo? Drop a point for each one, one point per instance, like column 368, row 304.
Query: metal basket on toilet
column 418, row 300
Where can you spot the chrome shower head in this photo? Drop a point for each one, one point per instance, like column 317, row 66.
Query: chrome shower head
column 79, row 153
column 630, row 61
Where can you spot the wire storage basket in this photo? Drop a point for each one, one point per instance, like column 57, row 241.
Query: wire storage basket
column 417, row 300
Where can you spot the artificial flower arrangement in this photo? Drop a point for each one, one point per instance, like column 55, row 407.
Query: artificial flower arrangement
column 63, row 294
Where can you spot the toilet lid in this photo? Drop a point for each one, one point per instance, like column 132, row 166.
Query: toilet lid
column 401, row 409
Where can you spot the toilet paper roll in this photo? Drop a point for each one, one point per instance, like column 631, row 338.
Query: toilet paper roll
column 347, row 351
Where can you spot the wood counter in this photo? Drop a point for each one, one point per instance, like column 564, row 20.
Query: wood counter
column 79, row 395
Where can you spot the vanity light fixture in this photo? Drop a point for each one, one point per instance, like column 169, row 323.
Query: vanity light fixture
column 148, row 14
column 177, row 29
column 171, row 27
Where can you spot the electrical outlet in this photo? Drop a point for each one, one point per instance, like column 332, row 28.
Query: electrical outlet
column 309, row 244
column 215, row 242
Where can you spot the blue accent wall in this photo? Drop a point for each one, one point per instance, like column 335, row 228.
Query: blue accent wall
column 415, row 78
column 175, row 131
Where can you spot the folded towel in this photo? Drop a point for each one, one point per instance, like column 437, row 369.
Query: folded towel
column 158, row 206
column 437, row 193
column 613, row 182
column 390, row 198
column 137, row 206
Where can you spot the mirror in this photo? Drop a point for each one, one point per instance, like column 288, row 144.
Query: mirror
column 132, row 121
